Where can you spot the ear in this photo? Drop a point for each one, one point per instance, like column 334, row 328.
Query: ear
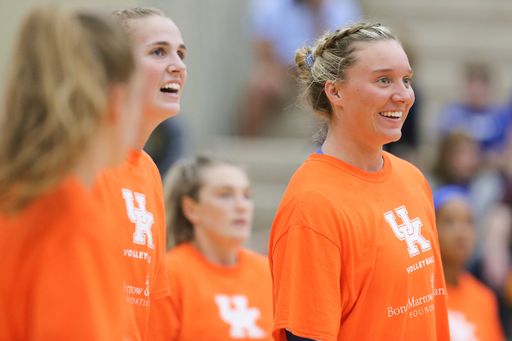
column 332, row 90
column 190, row 209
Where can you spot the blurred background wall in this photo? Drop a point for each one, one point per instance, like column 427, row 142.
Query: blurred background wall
column 441, row 36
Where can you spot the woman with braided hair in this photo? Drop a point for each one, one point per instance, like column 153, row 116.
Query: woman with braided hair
column 353, row 250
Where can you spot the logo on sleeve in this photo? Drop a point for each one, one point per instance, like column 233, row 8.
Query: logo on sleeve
column 142, row 219
column 235, row 311
column 409, row 230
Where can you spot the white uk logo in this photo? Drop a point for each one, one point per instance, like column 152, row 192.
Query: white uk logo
column 235, row 311
column 410, row 230
column 143, row 220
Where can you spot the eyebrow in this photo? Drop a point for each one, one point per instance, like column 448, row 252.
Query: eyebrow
column 182, row 46
column 387, row 70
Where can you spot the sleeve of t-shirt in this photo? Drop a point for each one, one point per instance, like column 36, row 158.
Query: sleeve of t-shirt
column 76, row 293
column 496, row 329
column 161, row 287
column 164, row 316
column 306, row 269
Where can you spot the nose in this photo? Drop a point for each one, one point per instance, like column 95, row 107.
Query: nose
column 243, row 203
column 403, row 94
column 176, row 65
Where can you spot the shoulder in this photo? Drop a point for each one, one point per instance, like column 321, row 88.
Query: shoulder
column 402, row 165
column 69, row 206
column 477, row 287
column 406, row 170
column 147, row 162
column 254, row 258
column 180, row 258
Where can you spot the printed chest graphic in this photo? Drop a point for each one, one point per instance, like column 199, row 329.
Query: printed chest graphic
column 409, row 230
column 142, row 219
column 460, row 328
column 235, row 311
column 137, row 295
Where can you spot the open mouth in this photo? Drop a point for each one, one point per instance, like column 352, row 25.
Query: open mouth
column 391, row 114
column 172, row 88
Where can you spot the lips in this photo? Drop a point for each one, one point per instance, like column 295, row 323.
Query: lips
column 240, row 222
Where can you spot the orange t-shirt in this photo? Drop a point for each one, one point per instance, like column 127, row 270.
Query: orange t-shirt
column 473, row 311
column 60, row 274
column 212, row 302
column 132, row 196
column 354, row 255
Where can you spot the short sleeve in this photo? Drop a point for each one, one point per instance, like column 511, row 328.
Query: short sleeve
column 164, row 316
column 306, row 270
column 161, row 286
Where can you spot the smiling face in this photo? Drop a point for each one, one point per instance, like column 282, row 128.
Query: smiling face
column 160, row 49
column 224, row 210
column 376, row 95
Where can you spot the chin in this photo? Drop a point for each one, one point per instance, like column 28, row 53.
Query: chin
column 392, row 137
column 240, row 238
column 169, row 109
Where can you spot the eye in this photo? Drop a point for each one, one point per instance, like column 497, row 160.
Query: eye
column 225, row 195
column 159, row 52
column 181, row 54
column 383, row 80
column 248, row 195
column 408, row 81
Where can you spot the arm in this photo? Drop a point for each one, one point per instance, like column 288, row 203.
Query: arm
column 291, row 337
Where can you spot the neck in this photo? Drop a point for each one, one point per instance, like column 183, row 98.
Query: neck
column 146, row 129
column 93, row 160
column 452, row 273
column 217, row 252
column 341, row 145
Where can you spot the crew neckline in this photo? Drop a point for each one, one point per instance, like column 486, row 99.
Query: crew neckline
column 216, row 267
column 380, row 176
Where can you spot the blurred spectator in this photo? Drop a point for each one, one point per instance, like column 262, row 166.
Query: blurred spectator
column 496, row 266
column 478, row 115
column 472, row 307
column 280, row 27
column 459, row 162
column 166, row 144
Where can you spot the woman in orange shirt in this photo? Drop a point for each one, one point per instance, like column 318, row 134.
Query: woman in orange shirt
column 132, row 194
column 353, row 249
column 219, row 290
column 71, row 102
column 472, row 307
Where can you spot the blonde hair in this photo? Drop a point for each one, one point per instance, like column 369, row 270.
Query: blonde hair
column 56, row 97
column 330, row 58
column 126, row 16
column 184, row 179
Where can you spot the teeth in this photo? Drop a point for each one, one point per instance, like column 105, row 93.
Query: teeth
column 393, row 114
column 172, row 86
